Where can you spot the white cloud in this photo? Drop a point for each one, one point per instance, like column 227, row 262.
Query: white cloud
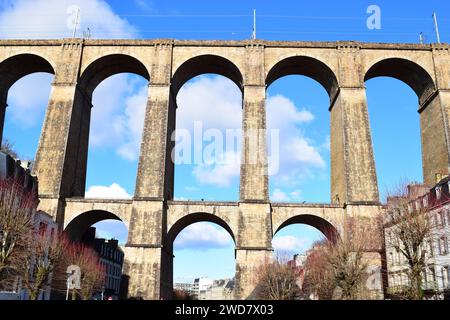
column 114, row 191
column 191, row 188
column 144, row 5
column 290, row 243
column 299, row 157
column 119, row 103
column 204, row 99
column 118, row 115
column 220, row 173
column 51, row 19
column 106, row 116
column 279, row 195
column 282, row 113
column 295, row 194
column 134, row 124
column 202, row 235
column 304, row 153
column 327, row 144
column 27, row 100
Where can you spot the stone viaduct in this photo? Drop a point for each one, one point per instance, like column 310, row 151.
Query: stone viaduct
column 153, row 218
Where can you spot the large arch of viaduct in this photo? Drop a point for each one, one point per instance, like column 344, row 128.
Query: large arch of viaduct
column 152, row 216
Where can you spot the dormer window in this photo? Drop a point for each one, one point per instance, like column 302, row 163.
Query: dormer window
column 438, row 192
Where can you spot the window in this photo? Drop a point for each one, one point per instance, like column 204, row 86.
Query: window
column 448, row 276
column 52, row 233
column 394, row 278
column 435, row 221
column 438, row 192
column 391, row 280
column 442, row 218
column 42, row 228
column 404, row 279
column 430, row 248
column 425, row 201
column 433, row 274
column 443, row 245
column 438, row 220
column 444, row 276
column 417, row 205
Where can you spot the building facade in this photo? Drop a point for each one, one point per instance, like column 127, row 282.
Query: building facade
column 111, row 258
column 298, row 263
column 435, row 203
column 188, row 288
column 222, row 289
column 43, row 223
column 200, row 286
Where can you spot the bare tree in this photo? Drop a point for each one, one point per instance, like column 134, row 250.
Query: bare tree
column 8, row 148
column 408, row 230
column 277, row 280
column 348, row 268
column 182, row 295
column 340, row 264
column 92, row 272
column 319, row 281
column 45, row 252
column 17, row 207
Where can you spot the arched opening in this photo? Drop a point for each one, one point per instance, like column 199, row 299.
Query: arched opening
column 323, row 226
column 77, row 228
column 294, row 243
column 205, row 64
column 298, row 98
column 115, row 87
column 396, row 90
column 407, row 71
column 25, row 82
column 106, row 234
column 208, row 94
column 306, row 66
column 202, row 258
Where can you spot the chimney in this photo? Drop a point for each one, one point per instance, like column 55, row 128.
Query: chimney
column 438, row 177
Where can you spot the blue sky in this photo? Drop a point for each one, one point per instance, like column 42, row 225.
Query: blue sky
column 297, row 105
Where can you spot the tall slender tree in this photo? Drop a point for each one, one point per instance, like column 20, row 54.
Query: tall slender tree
column 92, row 271
column 45, row 252
column 17, row 209
column 408, row 230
